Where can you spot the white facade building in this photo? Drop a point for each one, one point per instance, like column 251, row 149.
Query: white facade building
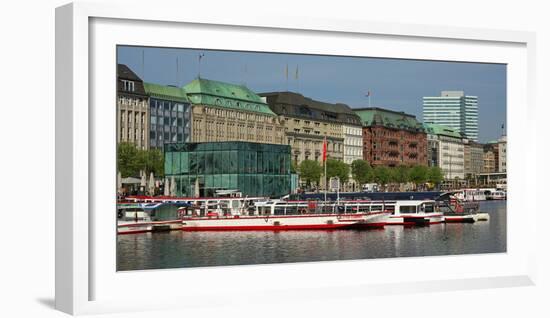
column 502, row 154
column 454, row 110
column 449, row 147
column 353, row 143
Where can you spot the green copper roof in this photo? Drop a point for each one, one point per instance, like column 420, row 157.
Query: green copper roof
column 388, row 118
column 221, row 94
column 434, row 129
column 165, row 92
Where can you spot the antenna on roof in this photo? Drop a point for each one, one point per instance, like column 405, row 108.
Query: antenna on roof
column 143, row 64
column 286, row 75
column 201, row 55
column 368, row 96
column 296, row 78
column 177, row 70
column 245, row 73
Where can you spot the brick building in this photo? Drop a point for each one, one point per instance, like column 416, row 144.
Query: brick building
column 392, row 138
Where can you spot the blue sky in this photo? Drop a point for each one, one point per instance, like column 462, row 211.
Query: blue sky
column 394, row 84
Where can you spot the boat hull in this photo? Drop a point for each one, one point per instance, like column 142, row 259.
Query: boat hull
column 144, row 227
column 468, row 218
column 270, row 223
column 415, row 220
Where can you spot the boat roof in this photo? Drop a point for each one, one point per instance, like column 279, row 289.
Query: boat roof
column 174, row 199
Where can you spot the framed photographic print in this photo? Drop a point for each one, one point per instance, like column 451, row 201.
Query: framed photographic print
column 267, row 155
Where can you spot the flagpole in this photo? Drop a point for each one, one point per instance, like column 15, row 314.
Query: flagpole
column 326, row 181
column 325, row 150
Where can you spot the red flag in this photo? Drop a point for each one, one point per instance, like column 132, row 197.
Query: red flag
column 325, row 149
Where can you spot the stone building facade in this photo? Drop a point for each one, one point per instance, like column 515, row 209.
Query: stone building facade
column 228, row 112
column 473, row 158
column 392, row 138
column 353, row 142
column 488, row 160
column 502, row 154
column 132, row 109
column 450, row 150
column 307, row 122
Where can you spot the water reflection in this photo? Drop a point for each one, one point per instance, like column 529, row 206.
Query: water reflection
column 193, row 249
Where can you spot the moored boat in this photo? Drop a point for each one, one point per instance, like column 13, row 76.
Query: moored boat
column 414, row 213
column 136, row 218
column 497, row 195
column 457, row 210
column 278, row 215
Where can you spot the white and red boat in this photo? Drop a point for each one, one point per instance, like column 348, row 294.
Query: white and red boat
column 257, row 213
column 136, row 218
column 413, row 212
column 278, row 215
column 456, row 210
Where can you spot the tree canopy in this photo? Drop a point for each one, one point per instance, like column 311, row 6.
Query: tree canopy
column 310, row 171
column 361, row 171
column 418, row 174
column 337, row 168
column 131, row 160
column 435, row 175
column 382, row 175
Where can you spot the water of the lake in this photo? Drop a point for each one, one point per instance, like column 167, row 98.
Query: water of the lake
column 193, row 249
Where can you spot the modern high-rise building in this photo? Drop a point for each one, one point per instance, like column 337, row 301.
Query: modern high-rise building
column 455, row 110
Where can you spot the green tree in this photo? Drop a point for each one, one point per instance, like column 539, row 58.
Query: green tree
column 152, row 161
column 130, row 160
column 310, row 171
column 293, row 167
column 361, row 171
column 418, row 174
column 400, row 174
column 435, row 175
column 127, row 160
column 382, row 175
column 337, row 168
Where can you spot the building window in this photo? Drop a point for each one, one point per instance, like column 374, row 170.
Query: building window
column 128, row 85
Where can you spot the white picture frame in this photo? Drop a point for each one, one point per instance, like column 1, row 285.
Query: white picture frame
column 85, row 279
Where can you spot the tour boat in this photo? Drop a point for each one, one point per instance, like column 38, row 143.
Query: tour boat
column 132, row 218
column 277, row 215
column 470, row 195
column 497, row 195
column 136, row 218
column 413, row 212
column 456, row 210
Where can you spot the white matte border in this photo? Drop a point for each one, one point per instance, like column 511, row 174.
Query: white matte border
column 362, row 277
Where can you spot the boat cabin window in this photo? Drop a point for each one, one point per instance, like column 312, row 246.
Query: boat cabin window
column 279, row 210
column 264, row 210
column 427, row 208
column 390, row 208
column 407, row 209
column 291, row 209
column 376, row 208
column 133, row 214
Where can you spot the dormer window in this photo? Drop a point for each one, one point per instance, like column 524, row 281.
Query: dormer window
column 128, row 85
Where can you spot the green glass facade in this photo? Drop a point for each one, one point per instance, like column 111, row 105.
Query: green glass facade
column 254, row 169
